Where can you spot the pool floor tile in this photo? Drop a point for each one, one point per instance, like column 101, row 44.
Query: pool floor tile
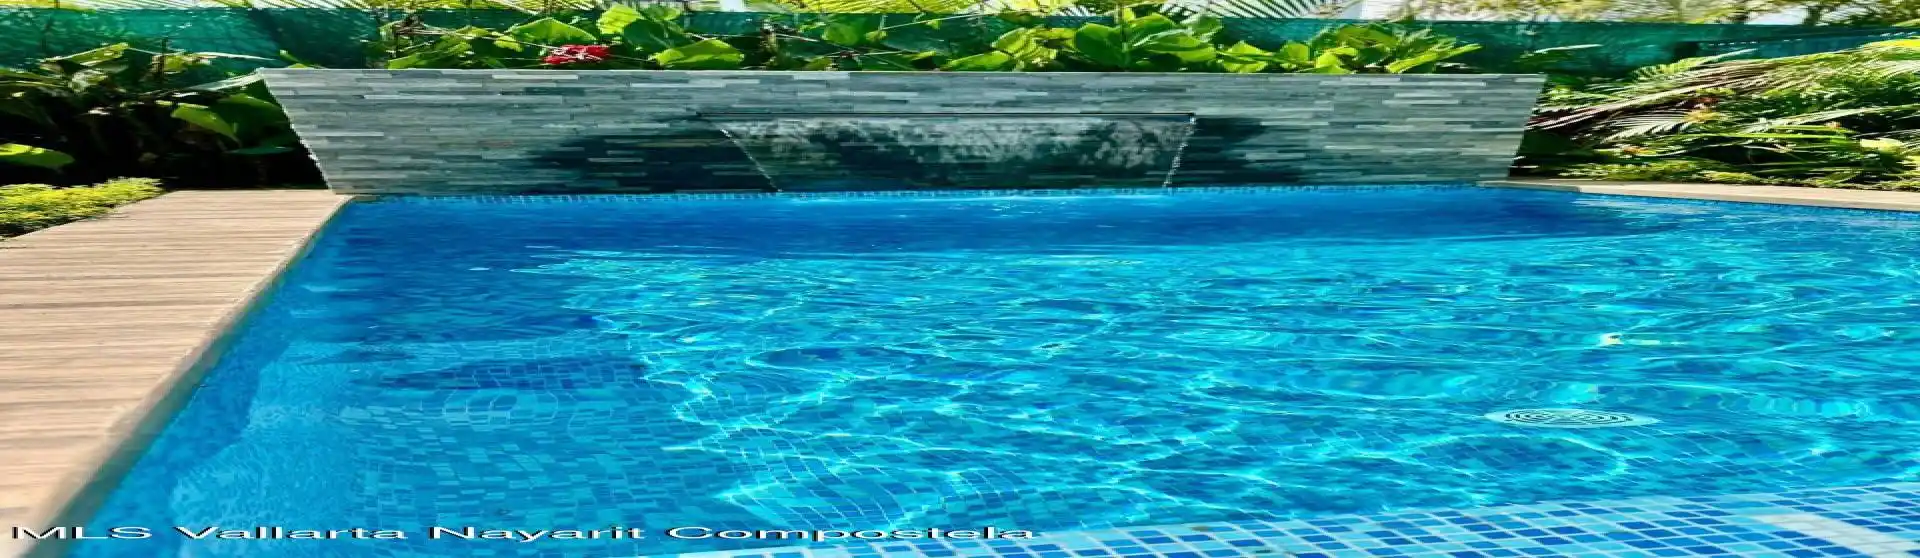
column 1880, row 521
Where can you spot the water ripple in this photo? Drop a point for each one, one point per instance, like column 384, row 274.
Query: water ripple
column 1047, row 363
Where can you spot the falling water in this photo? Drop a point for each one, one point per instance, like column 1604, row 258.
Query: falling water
column 880, row 151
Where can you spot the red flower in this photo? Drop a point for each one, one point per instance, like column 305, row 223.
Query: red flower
column 577, row 54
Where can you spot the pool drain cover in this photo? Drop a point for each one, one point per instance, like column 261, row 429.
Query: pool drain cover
column 1569, row 418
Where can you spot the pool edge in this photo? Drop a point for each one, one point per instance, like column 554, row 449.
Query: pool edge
column 1837, row 198
column 82, row 490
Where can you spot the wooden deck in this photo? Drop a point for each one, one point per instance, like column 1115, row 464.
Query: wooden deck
column 101, row 319
column 1785, row 195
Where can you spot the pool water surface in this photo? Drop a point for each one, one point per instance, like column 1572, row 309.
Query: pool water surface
column 1031, row 362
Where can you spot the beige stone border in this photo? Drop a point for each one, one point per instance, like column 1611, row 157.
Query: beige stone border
column 107, row 324
column 1786, row 195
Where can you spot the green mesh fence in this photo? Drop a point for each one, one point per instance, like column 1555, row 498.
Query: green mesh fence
column 1808, row 44
column 335, row 37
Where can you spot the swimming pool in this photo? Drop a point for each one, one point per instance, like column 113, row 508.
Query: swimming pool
column 1043, row 362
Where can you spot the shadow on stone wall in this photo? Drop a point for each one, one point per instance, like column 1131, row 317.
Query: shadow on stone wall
column 959, row 151
column 701, row 157
column 692, row 160
column 1214, row 153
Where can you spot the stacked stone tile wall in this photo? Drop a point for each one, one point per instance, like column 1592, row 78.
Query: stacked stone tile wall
column 554, row 131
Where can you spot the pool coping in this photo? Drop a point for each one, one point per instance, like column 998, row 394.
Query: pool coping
column 108, row 323
column 1839, row 198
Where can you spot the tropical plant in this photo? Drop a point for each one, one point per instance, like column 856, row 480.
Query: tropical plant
column 117, row 110
column 1369, row 48
column 1176, row 8
column 1850, row 117
column 1648, row 11
column 1129, row 40
column 522, row 5
column 1219, row 8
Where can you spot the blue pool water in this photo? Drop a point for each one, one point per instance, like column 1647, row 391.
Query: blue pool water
column 1043, row 363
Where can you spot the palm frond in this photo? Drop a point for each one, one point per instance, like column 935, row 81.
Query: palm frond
column 1825, row 116
column 1648, row 124
column 1276, row 9
column 1678, row 67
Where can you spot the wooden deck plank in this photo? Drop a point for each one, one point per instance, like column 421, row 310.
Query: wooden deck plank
column 101, row 320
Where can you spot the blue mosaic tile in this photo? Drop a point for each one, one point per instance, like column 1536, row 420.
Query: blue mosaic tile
column 886, row 194
column 1881, row 521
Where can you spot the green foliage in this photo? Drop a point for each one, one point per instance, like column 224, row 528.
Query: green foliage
column 1382, row 48
column 549, row 31
column 117, row 110
column 1352, row 49
column 710, row 54
column 30, row 156
column 1672, row 170
column 1129, row 40
column 28, row 207
column 1846, row 118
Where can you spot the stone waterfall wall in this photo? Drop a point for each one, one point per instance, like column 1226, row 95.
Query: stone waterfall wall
column 955, row 151
column 555, row 131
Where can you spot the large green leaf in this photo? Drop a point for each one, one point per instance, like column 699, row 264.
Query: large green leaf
column 1403, row 65
column 710, row 54
column 206, row 118
column 615, row 19
column 1353, row 35
column 415, row 60
column 27, row 155
column 251, row 117
column 488, row 48
column 1179, row 44
column 661, row 12
column 180, row 62
column 9, row 77
column 1424, row 62
column 1243, row 58
column 228, row 84
column 550, row 32
column 1138, row 29
column 995, row 61
column 1330, row 62
column 852, row 32
column 1024, row 46
column 654, row 35
column 1297, row 54
column 1205, row 27
column 113, row 54
column 1101, row 45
